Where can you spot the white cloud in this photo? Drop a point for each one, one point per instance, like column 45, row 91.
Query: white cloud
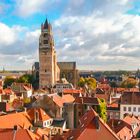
column 18, row 46
column 108, row 41
column 7, row 35
column 27, row 8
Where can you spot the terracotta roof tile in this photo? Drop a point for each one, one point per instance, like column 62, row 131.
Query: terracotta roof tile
column 19, row 134
column 125, row 133
column 88, row 129
column 42, row 114
column 68, row 98
column 20, row 119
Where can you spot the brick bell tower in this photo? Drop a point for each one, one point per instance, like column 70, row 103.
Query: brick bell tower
column 48, row 69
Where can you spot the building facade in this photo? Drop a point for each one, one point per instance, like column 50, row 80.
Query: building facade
column 48, row 69
column 68, row 70
column 130, row 104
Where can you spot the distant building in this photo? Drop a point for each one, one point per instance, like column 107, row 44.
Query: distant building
column 130, row 104
column 48, row 69
column 68, row 70
column 35, row 70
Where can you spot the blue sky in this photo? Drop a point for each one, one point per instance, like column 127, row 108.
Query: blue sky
column 97, row 34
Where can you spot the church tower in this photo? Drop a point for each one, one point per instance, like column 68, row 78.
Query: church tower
column 48, row 69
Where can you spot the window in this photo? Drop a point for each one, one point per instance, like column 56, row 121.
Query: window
column 124, row 108
column 45, row 41
column 45, row 35
column 129, row 108
column 139, row 109
column 134, row 109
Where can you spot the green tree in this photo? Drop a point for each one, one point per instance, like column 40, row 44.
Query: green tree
column 101, row 109
column 90, row 82
column 129, row 83
column 113, row 84
column 8, row 81
column 81, row 82
column 26, row 78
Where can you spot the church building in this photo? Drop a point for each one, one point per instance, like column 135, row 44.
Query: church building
column 49, row 72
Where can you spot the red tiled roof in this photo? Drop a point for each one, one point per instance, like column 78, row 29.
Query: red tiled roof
column 20, row 119
column 86, row 100
column 19, row 134
column 113, row 105
column 87, row 129
column 104, row 86
column 68, row 98
column 8, row 91
column 75, row 91
column 130, row 98
column 58, row 100
column 40, row 132
column 125, row 133
column 42, row 114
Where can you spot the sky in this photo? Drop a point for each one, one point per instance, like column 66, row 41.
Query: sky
column 97, row 34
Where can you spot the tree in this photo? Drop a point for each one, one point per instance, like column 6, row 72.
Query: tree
column 129, row 83
column 113, row 84
column 8, row 81
column 101, row 109
column 26, row 78
column 81, row 82
column 90, row 82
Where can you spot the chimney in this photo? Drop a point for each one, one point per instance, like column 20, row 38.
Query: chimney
column 36, row 116
column 25, row 109
column 15, row 127
column 96, row 122
column 43, row 137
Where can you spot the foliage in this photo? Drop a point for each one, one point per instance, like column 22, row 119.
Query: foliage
column 26, row 78
column 101, row 109
column 27, row 100
column 8, row 81
column 113, row 84
column 91, row 82
column 129, row 83
column 120, row 72
column 81, row 82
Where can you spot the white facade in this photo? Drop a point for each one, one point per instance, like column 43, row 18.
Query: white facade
column 29, row 93
column 47, row 123
column 129, row 109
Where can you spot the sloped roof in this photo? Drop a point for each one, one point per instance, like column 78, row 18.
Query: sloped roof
column 19, row 134
column 130, row 98
column 86, row 100
column 42, row 114
column 68, row 98
column 87, row 129
column 20, row 119
column 125, row 132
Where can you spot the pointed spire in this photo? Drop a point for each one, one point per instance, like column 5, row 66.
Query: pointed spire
column 46, row 24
